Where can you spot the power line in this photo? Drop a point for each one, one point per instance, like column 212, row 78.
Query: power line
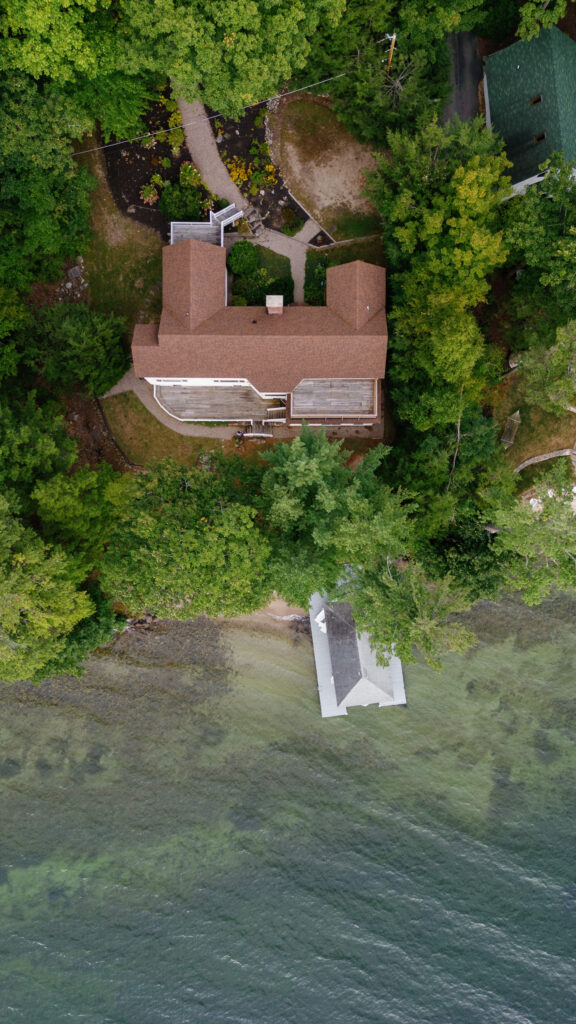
column 211, row 117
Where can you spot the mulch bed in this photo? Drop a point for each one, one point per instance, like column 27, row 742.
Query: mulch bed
column 235, row 138
column 130, row 165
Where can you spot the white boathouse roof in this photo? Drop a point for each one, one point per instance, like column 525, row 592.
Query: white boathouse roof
column 348, row 672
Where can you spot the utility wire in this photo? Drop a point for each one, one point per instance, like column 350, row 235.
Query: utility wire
column 211, row 117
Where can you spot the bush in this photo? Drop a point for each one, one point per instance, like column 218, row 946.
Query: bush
column 291, row 222
column 243, row 259
column 75, row 347
column 179, row 202
column 315, row 278
column 190, row 175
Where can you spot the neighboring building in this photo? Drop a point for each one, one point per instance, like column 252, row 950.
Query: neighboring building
column 530, row 96
column 263, row 364
column 346, row 666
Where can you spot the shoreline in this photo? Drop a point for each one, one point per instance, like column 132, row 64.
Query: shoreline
column 275, row 617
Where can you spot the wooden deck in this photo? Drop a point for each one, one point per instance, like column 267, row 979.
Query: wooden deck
column 208, row 404
column 326, row 397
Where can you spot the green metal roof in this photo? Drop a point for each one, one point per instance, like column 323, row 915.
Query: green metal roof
column 546, row 67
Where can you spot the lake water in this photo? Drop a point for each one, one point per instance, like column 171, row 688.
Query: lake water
column 184, row 839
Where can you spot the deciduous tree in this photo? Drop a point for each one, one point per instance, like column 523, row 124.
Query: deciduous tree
column 40, row 603
column 182, row 548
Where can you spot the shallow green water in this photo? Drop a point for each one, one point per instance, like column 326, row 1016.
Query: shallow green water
column 184, row 839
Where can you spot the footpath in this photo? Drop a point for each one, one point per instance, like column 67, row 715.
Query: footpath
column 204, row 152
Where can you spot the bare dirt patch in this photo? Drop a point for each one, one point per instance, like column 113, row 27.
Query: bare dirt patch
column 324, row 166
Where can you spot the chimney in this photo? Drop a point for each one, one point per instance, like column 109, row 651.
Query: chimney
column 274, row 304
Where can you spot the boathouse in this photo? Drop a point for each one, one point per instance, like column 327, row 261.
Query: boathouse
column 348, row 673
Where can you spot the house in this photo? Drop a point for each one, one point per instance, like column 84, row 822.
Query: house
column 260, row 365
column 348, row 672
column 529, row 92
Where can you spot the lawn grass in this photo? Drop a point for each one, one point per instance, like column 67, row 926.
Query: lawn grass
column 371, row 250
column 123, row 258
column 278, row 266
column 144, row 439
column 342, row 222
column 539, row 432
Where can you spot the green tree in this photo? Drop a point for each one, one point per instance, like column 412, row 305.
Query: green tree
column 402, row 608
column 538, row 14
column 40, row 603
column 182, row 547
column 233, row 53
column 90, row 633
column 33, row 446
column 75, row 347
column 540, row 233
column 549, row 375
column 76, row 511
column 537, row 539
column 44, row 196
column 439, row 191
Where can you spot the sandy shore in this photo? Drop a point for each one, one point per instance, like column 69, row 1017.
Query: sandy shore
column 277, row 617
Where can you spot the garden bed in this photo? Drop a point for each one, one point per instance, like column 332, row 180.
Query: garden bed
column 244, row 148
column 139, row 172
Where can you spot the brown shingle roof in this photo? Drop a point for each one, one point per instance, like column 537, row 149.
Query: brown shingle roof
column 343, row 339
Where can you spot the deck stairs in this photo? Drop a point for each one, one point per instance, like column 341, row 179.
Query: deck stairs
column 253, row 220
column 258, row 431
column 211, row 230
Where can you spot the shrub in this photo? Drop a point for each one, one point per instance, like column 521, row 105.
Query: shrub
column 255, row 287
column 166, row 162
column 178, row 202
column 190, row 175
column 291, row 222
column 315, row 278
column 148, row 194
column 243, row 259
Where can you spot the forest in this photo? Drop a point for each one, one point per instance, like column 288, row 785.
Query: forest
column 423, row 528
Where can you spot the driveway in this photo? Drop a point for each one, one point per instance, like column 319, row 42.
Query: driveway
column 466, row 74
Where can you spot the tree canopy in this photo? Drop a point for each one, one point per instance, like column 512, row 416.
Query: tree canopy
column 228, row 53
column 182, row 546
column 438, row 191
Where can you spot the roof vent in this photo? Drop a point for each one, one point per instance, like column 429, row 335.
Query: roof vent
column 274, row 304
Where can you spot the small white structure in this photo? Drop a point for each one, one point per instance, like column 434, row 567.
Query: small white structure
column 346, row 666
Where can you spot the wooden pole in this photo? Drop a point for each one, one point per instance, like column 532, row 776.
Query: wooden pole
column 390, row 52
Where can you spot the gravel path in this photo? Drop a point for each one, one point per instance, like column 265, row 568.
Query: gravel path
column 204, row 152
column 144, row 391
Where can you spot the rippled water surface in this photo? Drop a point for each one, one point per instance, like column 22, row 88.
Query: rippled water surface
column 184, row 839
